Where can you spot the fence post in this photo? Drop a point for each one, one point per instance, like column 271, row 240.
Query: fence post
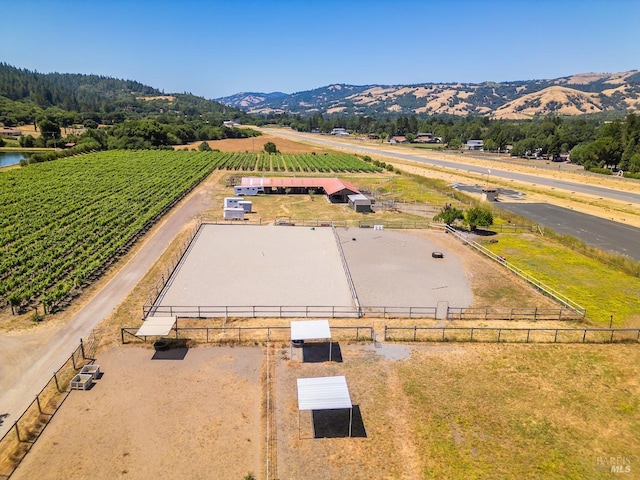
column 82, row 349
column 415, row 331
column 73, row 360
column 38, row 402
column 499, row 333
column 17, row 431
column 611, row 335
column 584, row 336
column 555, row 338
column 471, row 337
column 385, row 333
column 528, row 333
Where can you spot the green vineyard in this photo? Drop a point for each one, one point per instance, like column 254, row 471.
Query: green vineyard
column 62, row 222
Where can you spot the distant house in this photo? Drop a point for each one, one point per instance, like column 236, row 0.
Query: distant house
column 230, row 124
column 424, row 138
column 10, row 132
column 398, row 139
column 477, row 145
column 339, row 131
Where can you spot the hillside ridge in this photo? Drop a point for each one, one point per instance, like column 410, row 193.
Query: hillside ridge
column 579, row 94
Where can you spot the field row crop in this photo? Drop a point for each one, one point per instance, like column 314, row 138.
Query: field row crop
column 62, row 221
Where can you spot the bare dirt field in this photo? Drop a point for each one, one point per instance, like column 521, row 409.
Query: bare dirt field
column 177, row 414
column 255, row 144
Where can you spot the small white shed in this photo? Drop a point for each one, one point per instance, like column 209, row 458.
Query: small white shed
column 360, row 203
column 233, row 213
column 246, row 205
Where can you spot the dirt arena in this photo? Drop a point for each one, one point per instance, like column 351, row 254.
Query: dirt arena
column 249, row 265
column 177, row 414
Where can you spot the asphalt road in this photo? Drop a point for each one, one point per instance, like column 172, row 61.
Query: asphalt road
column 25, row 373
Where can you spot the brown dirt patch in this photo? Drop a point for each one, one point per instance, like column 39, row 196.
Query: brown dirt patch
column 255, row 144
column 158, row 418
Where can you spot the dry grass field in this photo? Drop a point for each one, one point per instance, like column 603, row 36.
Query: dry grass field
column 255, row 144
column 446, row 410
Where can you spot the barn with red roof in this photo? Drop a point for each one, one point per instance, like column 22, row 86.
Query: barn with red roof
column 337, row 190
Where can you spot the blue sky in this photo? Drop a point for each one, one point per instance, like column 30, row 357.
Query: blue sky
column 218, row 48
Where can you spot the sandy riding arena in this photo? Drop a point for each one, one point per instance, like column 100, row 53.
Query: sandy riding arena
column 249, row 265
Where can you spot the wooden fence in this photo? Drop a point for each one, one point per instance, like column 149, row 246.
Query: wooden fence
column 374, row 311
column 226, row 335
column 529, row 314
column 512, row 335
column 18, row 440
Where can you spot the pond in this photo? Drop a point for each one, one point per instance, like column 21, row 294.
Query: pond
column 11, row 158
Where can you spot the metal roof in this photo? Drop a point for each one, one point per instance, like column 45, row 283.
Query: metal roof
column 330, row 185
column 323, row 393
column 310, row 329
column 156, row 326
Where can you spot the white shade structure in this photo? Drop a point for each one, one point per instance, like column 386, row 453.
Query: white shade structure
column 324, row 393
column 310, row 330
column 156, row 326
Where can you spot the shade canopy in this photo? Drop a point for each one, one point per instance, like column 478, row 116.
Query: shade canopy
column 323, row 393
column 310, row 329
column 156, row 326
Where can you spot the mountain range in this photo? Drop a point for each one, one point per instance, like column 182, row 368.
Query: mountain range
column 585, row 93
